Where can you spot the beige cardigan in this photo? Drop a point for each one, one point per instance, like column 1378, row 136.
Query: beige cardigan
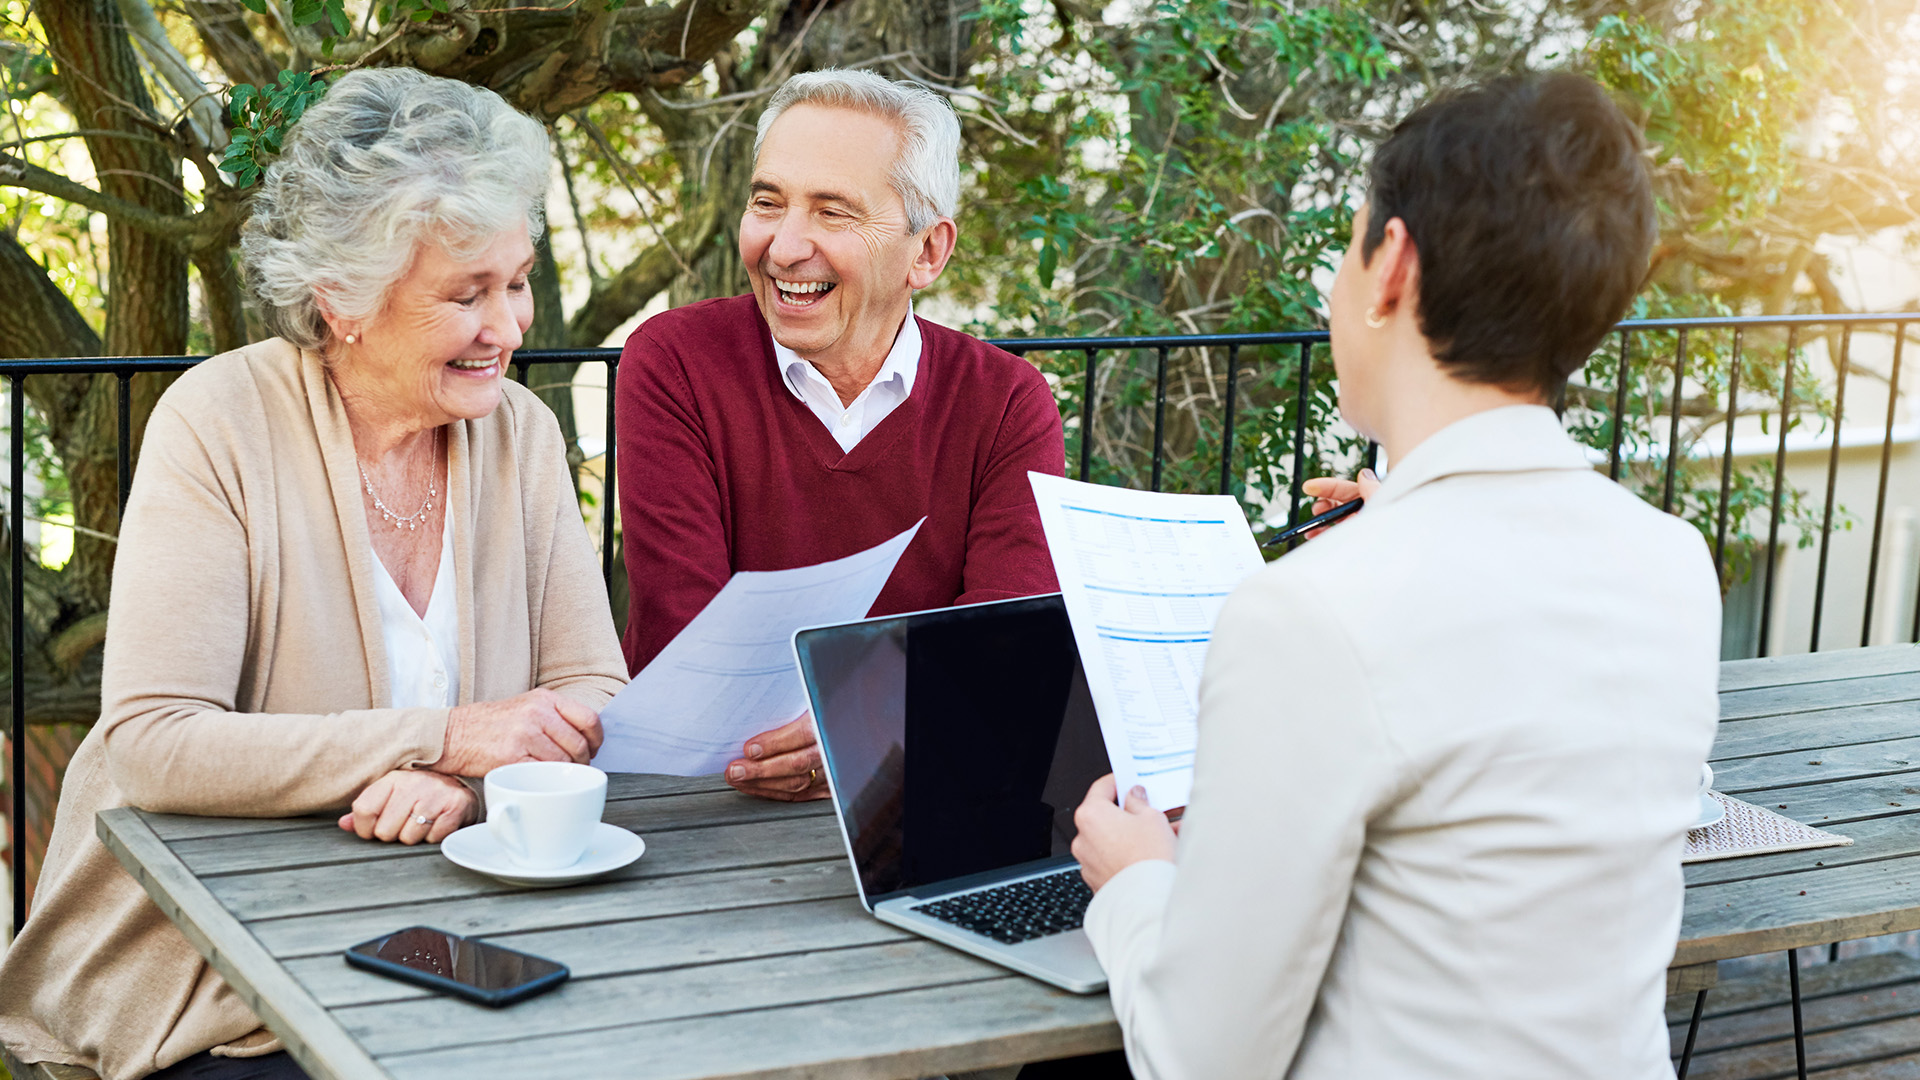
column 245, row 674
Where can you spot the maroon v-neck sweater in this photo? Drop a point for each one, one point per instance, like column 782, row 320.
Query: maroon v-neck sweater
column 723, row 469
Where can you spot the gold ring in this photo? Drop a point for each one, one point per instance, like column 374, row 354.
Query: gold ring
column 813, row 777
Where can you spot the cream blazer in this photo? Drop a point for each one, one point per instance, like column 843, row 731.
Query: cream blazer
column 1448, row 755
column 245, row 674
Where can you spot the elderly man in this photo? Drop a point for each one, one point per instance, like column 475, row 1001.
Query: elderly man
column 818, row 415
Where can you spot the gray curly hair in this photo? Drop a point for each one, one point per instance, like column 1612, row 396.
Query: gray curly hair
column 388, row 159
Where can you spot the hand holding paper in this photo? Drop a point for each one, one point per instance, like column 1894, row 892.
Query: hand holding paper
column 730, row 674
column 1144, row 575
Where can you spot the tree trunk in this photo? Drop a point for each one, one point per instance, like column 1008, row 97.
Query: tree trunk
column 146, row 275
column 38, row 319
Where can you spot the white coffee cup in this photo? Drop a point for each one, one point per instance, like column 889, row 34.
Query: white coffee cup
column 1706, row 777
column 543, row 813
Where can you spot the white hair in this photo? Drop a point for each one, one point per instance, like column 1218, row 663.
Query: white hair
column 927, row 172
column 388, row 159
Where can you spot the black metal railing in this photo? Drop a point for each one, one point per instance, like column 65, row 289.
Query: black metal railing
column 1582, row 407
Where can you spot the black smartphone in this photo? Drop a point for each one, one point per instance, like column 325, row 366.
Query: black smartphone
column 475, row 970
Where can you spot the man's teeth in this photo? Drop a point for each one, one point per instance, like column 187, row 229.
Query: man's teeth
column 799, row 288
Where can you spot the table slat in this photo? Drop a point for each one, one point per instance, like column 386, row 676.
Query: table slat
column 740, row 986
column 1817, row 667
column 634, row 945
column 581, row 905
column 1000, row 1021
column 312, row 1037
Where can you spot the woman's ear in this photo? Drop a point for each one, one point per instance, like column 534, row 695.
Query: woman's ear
column 1396, row 267
column 341, row 329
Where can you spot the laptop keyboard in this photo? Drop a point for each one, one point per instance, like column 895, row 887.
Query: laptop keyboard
column 1021, row 911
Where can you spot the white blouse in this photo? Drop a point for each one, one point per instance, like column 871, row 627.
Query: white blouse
column 423, row 654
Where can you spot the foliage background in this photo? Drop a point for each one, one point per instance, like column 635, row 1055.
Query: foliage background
column 1131, row 167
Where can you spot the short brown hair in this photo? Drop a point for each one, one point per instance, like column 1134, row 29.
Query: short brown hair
column 1528, row 201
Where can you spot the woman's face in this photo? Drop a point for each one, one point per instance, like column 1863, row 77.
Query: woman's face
column 1352, row 339
column 439, row 348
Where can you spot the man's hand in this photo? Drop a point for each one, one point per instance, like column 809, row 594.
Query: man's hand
column 1329, row 492
column 539, row 725
column 392, row 808
column 1113, row 838
column 781, row 764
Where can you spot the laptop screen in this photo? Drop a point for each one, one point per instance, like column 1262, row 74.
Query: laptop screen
column 960, row 740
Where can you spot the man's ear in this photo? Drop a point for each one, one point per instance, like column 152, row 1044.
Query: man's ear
column 1396, row 267
column 935, row 248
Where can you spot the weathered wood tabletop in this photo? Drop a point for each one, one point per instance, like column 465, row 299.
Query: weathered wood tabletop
column 1831, row 739
column 736, row 947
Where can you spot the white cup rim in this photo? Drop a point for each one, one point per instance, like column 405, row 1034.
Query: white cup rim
column 584, row 778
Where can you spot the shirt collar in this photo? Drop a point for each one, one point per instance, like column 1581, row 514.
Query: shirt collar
column 902, row 362
column 1513, row 438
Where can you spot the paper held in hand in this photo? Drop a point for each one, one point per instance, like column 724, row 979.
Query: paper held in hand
column 730, row 673
column 1144, row 575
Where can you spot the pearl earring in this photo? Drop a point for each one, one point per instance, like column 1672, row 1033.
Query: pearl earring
column 1374, row 319
column 351, row 338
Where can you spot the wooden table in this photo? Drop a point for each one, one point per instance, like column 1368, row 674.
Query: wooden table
column 736, row 948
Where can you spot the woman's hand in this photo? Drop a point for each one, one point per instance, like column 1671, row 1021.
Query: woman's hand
column 1112, row 838
column 538, row 725
column 411, row 805
column 781, row 764
column 1329, row 492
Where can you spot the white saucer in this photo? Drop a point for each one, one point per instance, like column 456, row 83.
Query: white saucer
column 474, row 847
column 1711, row 811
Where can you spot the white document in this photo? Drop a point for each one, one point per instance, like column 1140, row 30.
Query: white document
column 730, row 673
column 1144, row 574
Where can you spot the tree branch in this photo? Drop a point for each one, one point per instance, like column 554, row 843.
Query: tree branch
column 615, row 299
column 16, row 172
column 202, row 104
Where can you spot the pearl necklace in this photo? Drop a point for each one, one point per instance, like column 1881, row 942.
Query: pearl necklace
column 413, row 520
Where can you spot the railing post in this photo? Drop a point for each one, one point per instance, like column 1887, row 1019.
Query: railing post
column 123, row 453
column 17, row 522
column 1880, row 497
column 1086, row 416
column 1779, row 478
column 609, row 494
column 1303, row 398
column 1673, row 429
column 1619, row 412
column 1833, row 476
column 1159, row 415
column 1226, row 428
column 1726, row 457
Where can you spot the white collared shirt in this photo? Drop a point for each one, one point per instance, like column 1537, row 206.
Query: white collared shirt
column 1448, row 756
column 848, row 424
column 423, row 654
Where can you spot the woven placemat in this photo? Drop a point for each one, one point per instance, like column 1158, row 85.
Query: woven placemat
column 1753, row 830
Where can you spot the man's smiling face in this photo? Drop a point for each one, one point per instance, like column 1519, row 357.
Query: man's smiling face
column 824, row 237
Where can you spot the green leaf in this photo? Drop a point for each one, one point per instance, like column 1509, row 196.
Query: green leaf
column 1049, row 262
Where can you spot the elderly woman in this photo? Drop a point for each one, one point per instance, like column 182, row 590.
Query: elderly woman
column 351, row 573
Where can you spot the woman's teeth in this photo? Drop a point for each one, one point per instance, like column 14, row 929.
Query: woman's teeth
column 803, row 293
column 473, row 365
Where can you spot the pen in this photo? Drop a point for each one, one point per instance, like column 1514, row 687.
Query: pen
column 1343, row 510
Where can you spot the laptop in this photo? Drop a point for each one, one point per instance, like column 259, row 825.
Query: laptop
column 957, row 744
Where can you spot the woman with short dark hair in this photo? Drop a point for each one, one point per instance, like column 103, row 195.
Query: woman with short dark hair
column 351, row 574
column 1448, row 751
